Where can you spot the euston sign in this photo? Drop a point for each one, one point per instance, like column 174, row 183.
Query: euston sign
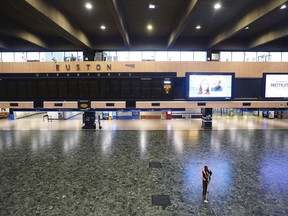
column 83, row 67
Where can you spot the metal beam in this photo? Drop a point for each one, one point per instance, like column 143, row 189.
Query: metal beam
column 246, row 20
column 118, row 14
column 58, row 21
column 182, row 23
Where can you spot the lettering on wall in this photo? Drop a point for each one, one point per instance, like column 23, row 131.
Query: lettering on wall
column 67, row 67
column 83, row 67
column 130, row 65
column 78, row 67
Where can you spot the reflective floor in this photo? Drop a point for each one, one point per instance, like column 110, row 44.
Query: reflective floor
column 219, row 123
column 56, row 168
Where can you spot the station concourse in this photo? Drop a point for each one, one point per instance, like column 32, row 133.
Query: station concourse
column 113, row 108
column 53, row 168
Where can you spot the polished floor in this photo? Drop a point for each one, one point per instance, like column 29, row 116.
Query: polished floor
column 246, row 122
column 55, row 168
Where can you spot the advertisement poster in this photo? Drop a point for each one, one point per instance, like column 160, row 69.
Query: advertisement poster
column 218, row 86
column 276, row 86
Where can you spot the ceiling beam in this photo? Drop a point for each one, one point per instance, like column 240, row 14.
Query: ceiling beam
column 12, row 29
column 31, row 38
column 55, row 19
column 269, row 37
column 118, row 14
column 246, row 20
column 181, row 23
column 2, row 45
column 23, row 35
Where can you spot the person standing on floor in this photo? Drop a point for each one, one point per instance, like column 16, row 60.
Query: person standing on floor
column 206, row 177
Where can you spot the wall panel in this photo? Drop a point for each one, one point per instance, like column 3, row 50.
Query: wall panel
column 242, row 69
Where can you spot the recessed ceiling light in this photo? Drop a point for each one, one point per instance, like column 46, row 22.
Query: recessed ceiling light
column 247, row 27
column 152, row 6
column 217, row 6
column 88, row 5
column 198, row 27
column 283, row 7
column 103, row 27
column 149, row 27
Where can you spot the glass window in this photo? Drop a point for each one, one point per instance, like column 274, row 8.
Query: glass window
column 148, row 56
column 70, row 56
column 145, row 56
column 250, row 56
column 135, row 56
column 263, row 57
column 33, row 56
column 187, row 56
column 58, row 56
column 46, row 57
column 285, row 57
column 237, row 56
column 8, row 57
column 225, row 56
column 161, row 56
column 111, row 55
column 80, row 56
column 275, row 56
column 20, row 57
column 174, row 56
column 200, row 56
column 123, row 56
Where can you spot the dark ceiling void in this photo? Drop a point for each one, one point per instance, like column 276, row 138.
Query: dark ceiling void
column 123, row 25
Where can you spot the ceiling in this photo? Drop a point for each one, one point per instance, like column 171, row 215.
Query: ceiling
column 46, row 25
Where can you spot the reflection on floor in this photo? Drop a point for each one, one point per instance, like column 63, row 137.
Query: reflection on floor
column 219, row 123
column 54, row 168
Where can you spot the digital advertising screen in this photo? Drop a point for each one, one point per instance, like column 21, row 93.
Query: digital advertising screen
column 276, row 86
column 209, row 86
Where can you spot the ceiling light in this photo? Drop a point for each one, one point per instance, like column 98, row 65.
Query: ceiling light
column 217, row 6
column 247, row 27
column 151, row 6
column 103, row 27
column 149, row 27
column 198, row 27
column 88, row 5
column 283, row 7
